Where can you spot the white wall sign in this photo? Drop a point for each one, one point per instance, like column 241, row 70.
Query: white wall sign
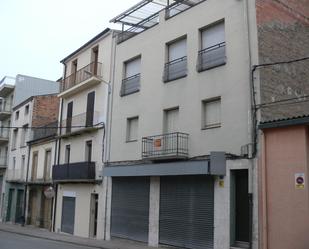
column 300, row 180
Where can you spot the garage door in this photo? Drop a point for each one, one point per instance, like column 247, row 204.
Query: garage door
column 68, row 215
column 130, row 208
column 186, row 211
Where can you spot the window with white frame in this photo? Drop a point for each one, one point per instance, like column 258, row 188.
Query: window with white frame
column 132, row 74
column 14, row 139
column 176, row 65
column 212, row 53
column 211, row 113
column 132, row 129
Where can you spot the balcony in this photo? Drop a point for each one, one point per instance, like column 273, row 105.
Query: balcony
column 4, row 135
column 82, row 79
column 81, row 123
column 180, row 6
column 74, row 172
column 6, row 86
column 166, row 146
column 16, row 175
column 5, row 110
column 3, row 162
column 46, row 131
column 175, row 69
column 211, row 57
column 130, row 85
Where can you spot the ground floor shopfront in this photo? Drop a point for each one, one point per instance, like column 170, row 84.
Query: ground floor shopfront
column 13, row 202
column 80, row 209
column 39, row 209
column 190, row 210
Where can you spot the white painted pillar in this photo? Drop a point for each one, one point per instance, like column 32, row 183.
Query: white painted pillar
column 154, row 210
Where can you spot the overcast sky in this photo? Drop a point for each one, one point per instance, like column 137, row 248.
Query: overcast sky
column 36, row 34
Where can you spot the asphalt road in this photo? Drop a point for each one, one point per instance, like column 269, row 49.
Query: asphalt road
column 16, row 241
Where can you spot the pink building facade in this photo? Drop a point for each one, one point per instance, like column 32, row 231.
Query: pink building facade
column 283, row 198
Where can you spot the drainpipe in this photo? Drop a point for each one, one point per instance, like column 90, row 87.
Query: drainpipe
column 26, row 187
column 108, row 125
column 59, row 149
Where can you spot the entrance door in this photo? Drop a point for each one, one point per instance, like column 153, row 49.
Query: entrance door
column 9, row 209
column 187, row 211
column 93, row 215
column 240, row 208
column 130, row 208
column 68, row 215
column 32, row 207
column 69, row 117
column 90, row 109
column 19, row 206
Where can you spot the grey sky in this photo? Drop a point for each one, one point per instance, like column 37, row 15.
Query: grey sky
column 36, row 34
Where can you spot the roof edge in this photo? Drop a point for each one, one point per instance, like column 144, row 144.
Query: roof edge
column 285, row 122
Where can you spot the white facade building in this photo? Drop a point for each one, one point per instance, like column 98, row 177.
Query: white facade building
column 84, row 97
column 181, row 91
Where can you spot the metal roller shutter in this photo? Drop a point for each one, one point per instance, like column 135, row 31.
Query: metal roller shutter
column 187, row 211
column 130, row 208
column 68, row 215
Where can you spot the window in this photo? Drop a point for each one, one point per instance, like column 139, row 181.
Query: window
column 90, row 109
column 68, row 122
column 132, row 74
column 176, row 66
column 14, row 167
column 23, row 163
column 14, row 140
column 88, row 151
column 211, row 113
column 132, row 129
column 34, row 171
column 67, row 154
column 47, row 164
column 171, row 120
column 212, row 53
column 24, row 135
column 94, row 60
column 17, row 115
column 26, row 109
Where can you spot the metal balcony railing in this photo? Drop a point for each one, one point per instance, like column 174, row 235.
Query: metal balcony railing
column 85, row 73
column 4, row 133
column 80, row 122
column 165, row 146
column 80, row 171
column 44, row 131
column 211, row 57
column 3, row 161
column 130, row 85
column 5, row 107
column 15, row 175
column 175, row 69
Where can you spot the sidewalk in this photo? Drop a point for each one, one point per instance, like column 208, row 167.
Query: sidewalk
column 44, row 234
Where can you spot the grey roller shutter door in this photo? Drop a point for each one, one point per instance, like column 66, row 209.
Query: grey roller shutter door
column 187, row 211
column 130, row 208
column 68, row 215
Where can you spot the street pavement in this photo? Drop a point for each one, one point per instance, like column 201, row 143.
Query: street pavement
column 17, row 241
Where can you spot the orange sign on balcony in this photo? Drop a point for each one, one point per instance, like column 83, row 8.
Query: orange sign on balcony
column 157, row 143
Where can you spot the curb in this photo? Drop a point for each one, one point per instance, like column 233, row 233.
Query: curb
column 51, row 239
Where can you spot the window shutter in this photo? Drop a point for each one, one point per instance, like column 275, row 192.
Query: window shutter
column 213, row 35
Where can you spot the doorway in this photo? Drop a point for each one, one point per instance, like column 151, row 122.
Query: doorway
column 93, row 215
column 240, row 209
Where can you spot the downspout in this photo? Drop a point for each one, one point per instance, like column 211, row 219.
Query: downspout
column 252, row 121
column 108, row 125
column 26, row 187
column 59, row 149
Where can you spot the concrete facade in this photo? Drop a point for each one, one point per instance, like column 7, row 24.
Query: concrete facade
column 103, row 44
column 229, row 82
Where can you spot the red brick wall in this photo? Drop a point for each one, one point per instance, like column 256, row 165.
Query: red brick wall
column 283, row 35
column 45, row 110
